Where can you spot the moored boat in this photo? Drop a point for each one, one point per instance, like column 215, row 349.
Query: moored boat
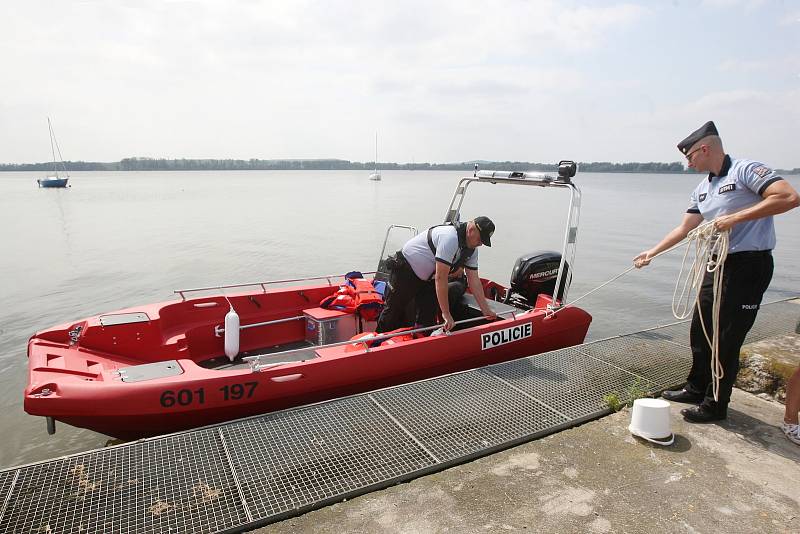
column 55, row 179
column 256, row 348
column 376, row 174
column 52, row 181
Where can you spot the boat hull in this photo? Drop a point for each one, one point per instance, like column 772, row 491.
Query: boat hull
column 55, row 182
column 75, row 377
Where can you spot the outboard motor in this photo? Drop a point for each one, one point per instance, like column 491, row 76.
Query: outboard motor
column 536, row 273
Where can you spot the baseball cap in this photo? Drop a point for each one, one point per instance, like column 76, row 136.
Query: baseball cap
column 486, row 229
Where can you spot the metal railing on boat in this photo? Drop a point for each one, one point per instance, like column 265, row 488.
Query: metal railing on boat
column 368, row 342
column 533, row 179
column 263, row 285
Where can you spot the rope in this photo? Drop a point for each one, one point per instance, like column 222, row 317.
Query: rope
column 626, row 271
column 711, row 250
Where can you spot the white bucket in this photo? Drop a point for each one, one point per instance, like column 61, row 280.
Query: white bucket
column 650, row 420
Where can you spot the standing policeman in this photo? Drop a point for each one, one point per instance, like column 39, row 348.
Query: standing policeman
column 739, row 195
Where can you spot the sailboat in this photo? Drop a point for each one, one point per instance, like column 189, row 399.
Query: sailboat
column 54, row 179
column 377, row 174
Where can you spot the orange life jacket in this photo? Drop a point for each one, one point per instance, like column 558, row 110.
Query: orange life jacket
column 361, row 339
column 364, row 337
column 356, row 295
column 398, row 339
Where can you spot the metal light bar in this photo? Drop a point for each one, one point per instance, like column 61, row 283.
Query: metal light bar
column 516, row 175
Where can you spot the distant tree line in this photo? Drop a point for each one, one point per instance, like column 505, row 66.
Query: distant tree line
column 71, row 166
column 163, row 164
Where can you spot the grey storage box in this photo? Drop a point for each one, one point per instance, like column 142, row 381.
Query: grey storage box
column 329, row 326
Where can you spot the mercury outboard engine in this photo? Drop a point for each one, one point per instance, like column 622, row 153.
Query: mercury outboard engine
column 536, row 273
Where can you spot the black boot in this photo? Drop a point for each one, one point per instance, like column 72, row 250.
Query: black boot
column 687, row 394
column 705, row 413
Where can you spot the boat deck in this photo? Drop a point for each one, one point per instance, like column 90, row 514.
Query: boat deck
column 263, row 469
column 223, row 363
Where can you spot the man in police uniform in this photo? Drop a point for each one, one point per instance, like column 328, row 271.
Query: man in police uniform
column 422, row 269
column 741, row 196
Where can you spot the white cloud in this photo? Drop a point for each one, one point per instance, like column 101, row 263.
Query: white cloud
column 790, row 18
column 746, row 5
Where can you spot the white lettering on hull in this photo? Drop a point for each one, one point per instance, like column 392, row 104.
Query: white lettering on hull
column 490, row 340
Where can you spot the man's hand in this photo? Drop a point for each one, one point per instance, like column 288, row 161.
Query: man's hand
column 690, row 222
column 489, row 314
column 448, row 321
column 642, row 259
column 724, row 222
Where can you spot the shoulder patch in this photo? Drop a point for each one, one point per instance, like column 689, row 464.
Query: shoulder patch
column 761, row 171
column 726, row 188
column 702, row 197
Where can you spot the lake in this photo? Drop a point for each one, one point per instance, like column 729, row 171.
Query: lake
column 114, row 240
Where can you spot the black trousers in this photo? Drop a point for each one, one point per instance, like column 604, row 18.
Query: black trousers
column 745, row 279
column 405, row 287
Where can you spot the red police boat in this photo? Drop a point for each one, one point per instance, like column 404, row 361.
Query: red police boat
column 191, row 362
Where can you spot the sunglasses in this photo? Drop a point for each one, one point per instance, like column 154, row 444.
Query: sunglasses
column 689, row 155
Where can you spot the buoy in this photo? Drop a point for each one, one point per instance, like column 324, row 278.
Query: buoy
column 231, row 334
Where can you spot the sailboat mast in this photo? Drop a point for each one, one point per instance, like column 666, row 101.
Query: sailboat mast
column 52, row 146
column 376, row 152
column 54, row 141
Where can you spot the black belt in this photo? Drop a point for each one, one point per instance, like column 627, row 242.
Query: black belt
column 747, row 254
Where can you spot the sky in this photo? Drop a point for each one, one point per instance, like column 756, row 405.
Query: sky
column 438, row 81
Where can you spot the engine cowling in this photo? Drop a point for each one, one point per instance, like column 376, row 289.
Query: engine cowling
column 536, row 273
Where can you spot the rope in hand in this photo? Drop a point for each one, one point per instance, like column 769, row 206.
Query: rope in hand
column 711, row 250
column 626, row 271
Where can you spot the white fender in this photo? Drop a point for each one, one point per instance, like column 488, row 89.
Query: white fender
column 231, row 334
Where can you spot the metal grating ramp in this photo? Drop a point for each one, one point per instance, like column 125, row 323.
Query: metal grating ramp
column 567, row 380
column 6, row 482
column 181, row 482
column 677, row 333
column 289, row 460
column 458, row 415
column 259, row 470
column 660, row 364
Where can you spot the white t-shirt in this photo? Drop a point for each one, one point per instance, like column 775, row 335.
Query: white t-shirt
column 445, row 241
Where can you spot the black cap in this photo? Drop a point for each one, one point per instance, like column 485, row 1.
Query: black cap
column 704, row 131
column 486, row 229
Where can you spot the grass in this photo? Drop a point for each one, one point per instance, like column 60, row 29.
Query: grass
column 637, row 390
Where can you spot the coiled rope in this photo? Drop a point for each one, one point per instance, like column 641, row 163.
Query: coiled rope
column 710, row 251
